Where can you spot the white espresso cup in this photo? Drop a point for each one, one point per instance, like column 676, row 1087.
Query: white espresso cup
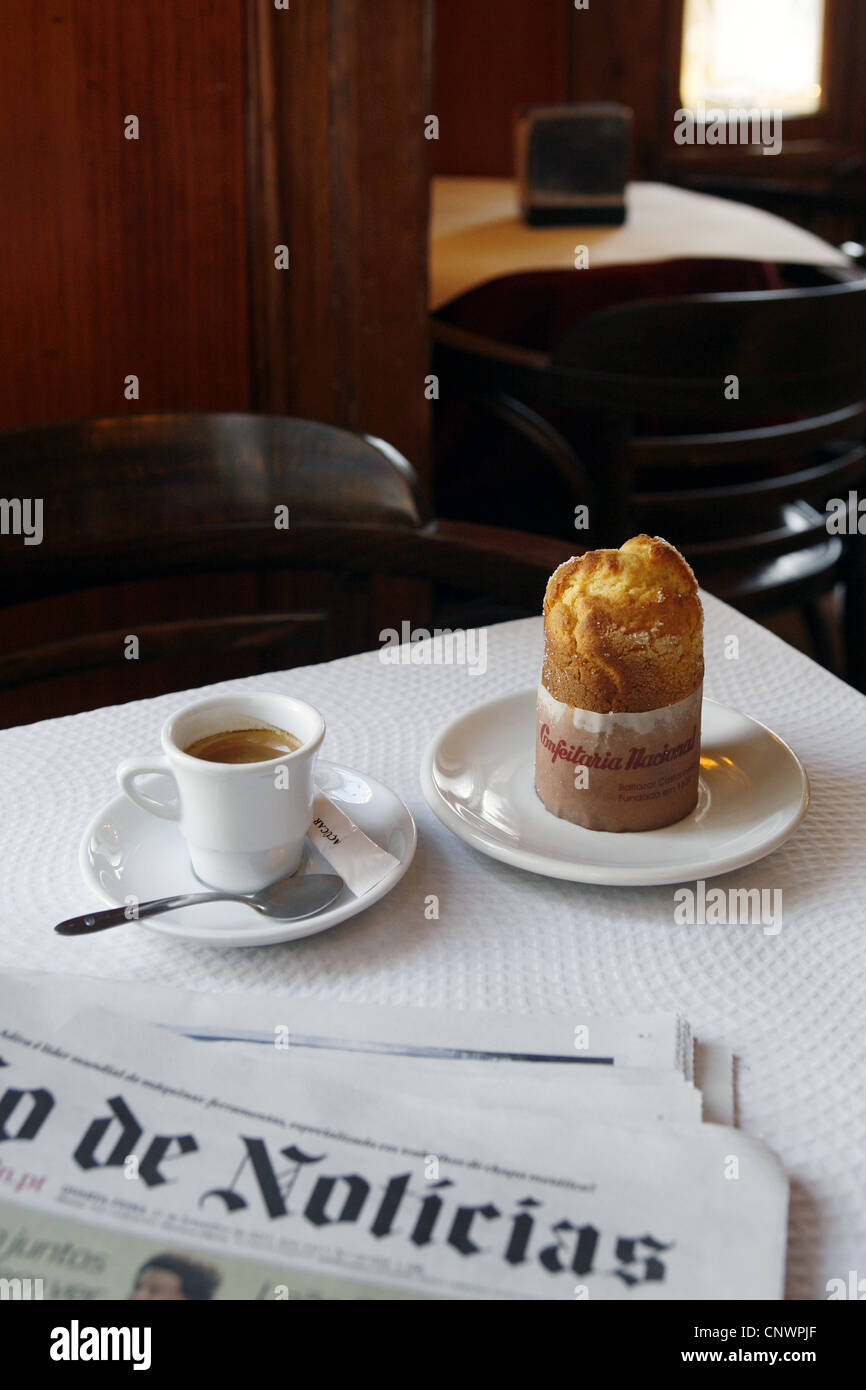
column 244, row 823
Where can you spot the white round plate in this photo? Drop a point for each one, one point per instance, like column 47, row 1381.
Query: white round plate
column 127, row 852
column 478, row 778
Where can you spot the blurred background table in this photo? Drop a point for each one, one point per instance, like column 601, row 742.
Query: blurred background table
column 540, row 413
column 476, row 234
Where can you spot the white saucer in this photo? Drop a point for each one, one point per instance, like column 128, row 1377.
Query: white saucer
column 478, row 778
column 127, row 852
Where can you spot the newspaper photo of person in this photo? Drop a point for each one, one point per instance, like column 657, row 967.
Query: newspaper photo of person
column 171, row 1277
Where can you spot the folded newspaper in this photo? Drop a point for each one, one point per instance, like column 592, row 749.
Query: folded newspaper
column 290, row 1148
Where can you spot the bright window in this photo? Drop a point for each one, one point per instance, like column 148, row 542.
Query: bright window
column 753, row 53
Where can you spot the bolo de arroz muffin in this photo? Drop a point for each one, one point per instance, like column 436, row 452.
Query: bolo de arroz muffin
column 619, row 701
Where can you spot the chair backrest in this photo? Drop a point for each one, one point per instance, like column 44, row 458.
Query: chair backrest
column 724, row 421
column 795, row 351
column 166, row 549
column 745, row 413
column 181, row 549
column 179, row 494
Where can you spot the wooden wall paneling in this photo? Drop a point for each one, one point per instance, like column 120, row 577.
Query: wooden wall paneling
column 848, row 70
column 620, row 52
column 495, row 55
column 122, row 256
column 289, row 204
column 339, row 173
column 491, row 56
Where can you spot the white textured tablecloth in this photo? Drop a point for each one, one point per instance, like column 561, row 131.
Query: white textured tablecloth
column 791, row 1006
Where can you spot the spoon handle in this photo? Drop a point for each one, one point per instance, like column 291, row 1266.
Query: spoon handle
column 116, row 916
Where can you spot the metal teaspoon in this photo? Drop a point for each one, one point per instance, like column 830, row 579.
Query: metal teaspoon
column 289, row 899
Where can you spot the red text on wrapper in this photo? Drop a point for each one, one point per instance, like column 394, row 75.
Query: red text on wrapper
column 636, row 758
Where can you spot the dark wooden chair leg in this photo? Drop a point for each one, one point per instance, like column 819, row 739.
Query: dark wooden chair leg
column 854, row 620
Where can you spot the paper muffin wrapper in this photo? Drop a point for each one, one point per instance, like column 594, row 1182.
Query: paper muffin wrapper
column 618, row 771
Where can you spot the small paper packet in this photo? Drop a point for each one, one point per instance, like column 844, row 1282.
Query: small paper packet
column 356, row 858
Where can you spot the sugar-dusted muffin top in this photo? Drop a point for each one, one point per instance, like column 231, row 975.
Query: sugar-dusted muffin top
column 623, row 629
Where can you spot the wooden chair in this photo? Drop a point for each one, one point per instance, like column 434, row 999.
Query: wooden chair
column 739, row 484
column 170, row 530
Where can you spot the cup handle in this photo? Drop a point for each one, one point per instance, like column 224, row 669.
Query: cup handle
column 127, row 774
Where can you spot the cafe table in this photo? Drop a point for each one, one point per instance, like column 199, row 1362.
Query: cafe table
column 790, row 1006
column 477, row 235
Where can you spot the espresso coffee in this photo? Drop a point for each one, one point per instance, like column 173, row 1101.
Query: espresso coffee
column 244, row 746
